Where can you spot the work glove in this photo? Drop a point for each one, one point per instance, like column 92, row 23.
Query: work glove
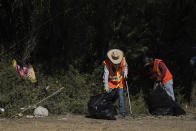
column 157, row 84
column 158, row 80
column 107, row 89
column 125, row 76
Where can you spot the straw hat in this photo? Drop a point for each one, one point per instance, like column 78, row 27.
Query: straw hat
column 115, row 55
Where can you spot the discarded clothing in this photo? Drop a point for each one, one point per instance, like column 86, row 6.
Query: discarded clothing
column 101, row 106
column 26, row 72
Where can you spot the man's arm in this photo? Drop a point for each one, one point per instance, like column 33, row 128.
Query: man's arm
column 163, row 69
column 126, row 69
column 105, row 76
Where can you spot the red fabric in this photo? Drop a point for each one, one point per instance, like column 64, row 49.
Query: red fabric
column 23, row 71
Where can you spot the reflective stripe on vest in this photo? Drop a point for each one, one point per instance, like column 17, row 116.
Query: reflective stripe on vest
column 118, row 76
column 115, row 74
column 156, row 71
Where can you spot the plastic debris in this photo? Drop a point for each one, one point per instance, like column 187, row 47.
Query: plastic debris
column 62, row 119
column 29, row 116
column 47, row 87
column 20, row 114
column 2, row 110
column 40, row 112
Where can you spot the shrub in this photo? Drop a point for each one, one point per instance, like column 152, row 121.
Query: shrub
column 16, row 93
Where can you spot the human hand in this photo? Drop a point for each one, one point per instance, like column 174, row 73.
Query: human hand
column 125, row 76
column 107, row 89
column 158, row 80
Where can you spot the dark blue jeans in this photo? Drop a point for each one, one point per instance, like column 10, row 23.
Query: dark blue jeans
column 121, row 100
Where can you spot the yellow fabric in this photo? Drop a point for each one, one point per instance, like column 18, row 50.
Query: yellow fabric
column 14, row 63
column 117, row 74
column 107, row 89
column 31, row 75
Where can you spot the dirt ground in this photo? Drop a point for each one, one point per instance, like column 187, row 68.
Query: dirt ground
column 81, row 123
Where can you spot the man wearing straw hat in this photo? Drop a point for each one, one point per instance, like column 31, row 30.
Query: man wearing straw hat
column 115, row 71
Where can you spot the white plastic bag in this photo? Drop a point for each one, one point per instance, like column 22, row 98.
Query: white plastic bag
column 40, row 112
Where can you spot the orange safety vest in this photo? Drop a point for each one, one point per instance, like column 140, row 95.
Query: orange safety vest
column 115, row 74
column 156, row 72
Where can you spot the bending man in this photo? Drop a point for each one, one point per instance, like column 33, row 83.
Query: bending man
column 115, row 71
column 160, row 74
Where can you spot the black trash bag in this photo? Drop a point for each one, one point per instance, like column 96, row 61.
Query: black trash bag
column 101, row 106
column 160, row 103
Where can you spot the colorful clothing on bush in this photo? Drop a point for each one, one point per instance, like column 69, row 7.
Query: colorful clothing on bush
column 23, row 71
column 26, row 72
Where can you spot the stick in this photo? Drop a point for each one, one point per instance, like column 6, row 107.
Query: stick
column 30, row 107
column 128, row 98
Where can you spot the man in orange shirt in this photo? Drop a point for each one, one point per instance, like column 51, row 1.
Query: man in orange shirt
column 161, row 75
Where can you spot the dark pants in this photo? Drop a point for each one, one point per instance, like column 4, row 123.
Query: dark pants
column 121, row 99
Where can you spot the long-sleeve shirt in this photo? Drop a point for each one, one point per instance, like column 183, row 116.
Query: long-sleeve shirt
column 106, row 74
column 163, row 68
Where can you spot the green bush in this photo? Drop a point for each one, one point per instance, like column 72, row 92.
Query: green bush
column 17, row 93
column 14, row 91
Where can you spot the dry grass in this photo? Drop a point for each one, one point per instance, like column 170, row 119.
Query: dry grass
column 81, row 123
